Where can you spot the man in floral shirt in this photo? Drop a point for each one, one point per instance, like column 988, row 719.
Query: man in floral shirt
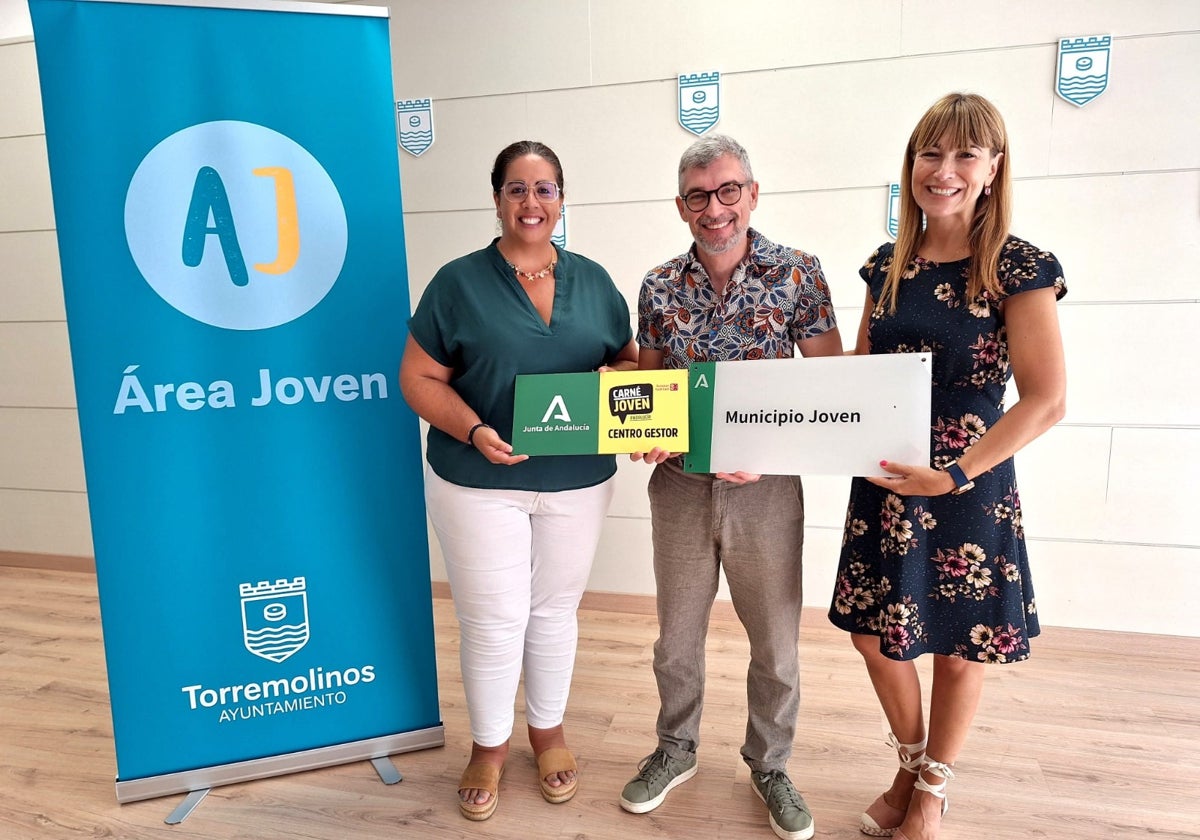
column 734, row 295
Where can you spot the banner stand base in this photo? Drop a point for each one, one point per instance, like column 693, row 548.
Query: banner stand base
column 186, row 807
column 387, row 771
column 203, row 778
column 383, row 765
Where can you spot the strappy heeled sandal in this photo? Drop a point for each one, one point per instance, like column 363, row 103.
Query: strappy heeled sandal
column 484, row 777
column 938, row 791
column 881, row 819
column 557, row 760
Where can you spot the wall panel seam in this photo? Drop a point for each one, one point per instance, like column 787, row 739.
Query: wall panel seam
column 42, row 490
column 1059, row 176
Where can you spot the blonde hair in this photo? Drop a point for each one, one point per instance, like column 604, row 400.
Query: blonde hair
column 965, row 119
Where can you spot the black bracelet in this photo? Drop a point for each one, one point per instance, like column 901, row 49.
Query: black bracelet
column 474, row 429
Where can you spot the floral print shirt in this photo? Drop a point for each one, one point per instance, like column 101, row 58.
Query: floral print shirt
column 776, row 297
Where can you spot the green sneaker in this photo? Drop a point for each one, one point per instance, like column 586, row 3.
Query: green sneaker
column 790, row 817
column 658, row 774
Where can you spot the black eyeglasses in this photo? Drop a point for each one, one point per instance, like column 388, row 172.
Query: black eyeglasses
column 728, row 194
column 544, row 191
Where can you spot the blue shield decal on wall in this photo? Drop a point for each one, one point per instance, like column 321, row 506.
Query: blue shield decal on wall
column 274, row 618
column 893, row 210
column 559, row 236
column 699, row 101
column 1083, row 68
column 414, row 121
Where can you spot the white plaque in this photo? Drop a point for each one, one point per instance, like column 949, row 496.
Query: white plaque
column 829, row 415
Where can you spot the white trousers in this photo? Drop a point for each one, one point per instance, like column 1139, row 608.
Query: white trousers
column 518, row 562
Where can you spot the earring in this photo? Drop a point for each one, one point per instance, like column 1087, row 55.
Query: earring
column 987, row 190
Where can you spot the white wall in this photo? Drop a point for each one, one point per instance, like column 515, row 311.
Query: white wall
column 823, row 95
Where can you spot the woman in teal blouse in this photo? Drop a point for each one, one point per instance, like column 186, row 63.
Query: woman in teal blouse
column 517, row 534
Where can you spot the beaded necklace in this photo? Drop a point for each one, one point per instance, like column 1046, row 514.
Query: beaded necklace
column 532, row 275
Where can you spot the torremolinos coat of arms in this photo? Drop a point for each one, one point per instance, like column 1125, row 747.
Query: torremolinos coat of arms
column 414, row 121
column 893, row 211
column 274, row 618
column 1083, row 68
column 699, row 101
column 559, row 235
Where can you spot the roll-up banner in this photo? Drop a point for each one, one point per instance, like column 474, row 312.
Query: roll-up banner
column 227, row 199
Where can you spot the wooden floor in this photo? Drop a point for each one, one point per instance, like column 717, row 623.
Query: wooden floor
column 1097, row 736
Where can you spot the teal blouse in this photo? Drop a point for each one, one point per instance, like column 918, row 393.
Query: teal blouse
column 477, row 320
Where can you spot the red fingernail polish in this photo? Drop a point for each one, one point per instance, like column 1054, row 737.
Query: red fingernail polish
column 883, row 463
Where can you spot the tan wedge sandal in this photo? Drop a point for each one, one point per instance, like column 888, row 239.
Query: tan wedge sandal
column 480, row 776
column 557, row 760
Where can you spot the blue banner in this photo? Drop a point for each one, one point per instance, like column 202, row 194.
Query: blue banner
column 227, row 198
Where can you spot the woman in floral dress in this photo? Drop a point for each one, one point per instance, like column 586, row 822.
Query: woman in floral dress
column 933, row 559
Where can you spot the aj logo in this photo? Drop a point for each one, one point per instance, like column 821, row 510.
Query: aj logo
column 235, row 225
column 210, row 200
column 701, row 382
column 561, row 405
column 274, row 618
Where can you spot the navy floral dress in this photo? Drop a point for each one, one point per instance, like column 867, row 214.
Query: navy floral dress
column 945, row 574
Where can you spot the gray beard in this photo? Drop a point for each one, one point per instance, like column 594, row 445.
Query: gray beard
column 729, row 244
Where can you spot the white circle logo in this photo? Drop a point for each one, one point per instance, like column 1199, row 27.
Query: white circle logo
column 235, row 225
